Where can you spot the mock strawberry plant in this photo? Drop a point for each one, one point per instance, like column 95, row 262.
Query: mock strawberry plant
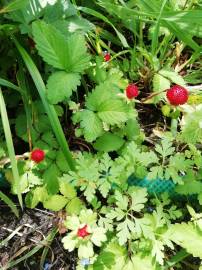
column 106, row 122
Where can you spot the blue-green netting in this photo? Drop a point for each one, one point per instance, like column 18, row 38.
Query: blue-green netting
column 153, row 186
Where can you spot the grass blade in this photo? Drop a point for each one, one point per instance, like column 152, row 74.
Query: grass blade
column 50, row 110
column 8, row 201
column 14, row 5
column 103, row 18
column 10, row 147
column 9, row 84
column 156, row 30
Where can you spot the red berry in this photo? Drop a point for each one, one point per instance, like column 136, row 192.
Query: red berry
column 37, row 155
column 107, row 57
column 82, row 232
column 132, row 91
column 177, row 95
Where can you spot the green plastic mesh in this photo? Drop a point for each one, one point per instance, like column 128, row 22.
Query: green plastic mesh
column 156, row 186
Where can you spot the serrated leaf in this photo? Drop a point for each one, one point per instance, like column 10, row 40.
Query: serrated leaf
column 113, row 112
column 37, row 195
column 61, row 162
column 55, row 202
column 67, row 189
column 160, row 83
column 158, row 251
column 100, row 94
column 139, row 198
column 91, row 124
column 123, row 232
column 51, row 179
column 74, row 206
column 67, row 54
column 98, row 236
column 173, row 76
column 60, row 86
column 142, row 262
column 188, row 237
column 108, row 142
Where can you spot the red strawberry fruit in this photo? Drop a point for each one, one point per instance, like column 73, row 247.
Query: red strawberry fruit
column 82, row 232
column 107, row 57
column 177, row 95
column 37, row 155
column 132, row 91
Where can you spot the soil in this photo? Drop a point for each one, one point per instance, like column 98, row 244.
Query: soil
column 33, row 226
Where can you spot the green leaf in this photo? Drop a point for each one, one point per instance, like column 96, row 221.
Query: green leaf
column 55, row 202
column 98, row 236
column 67, row 54
column 139, row 198
column 61, row 162
column 173, row 77
column 158, row 251
column 67, row 189
column 104, row 259
column 91, row 124
column 70, row 241
column 74, row 206
column 60, row 86
column 37, row 195
column 51, row 179
column 188, row 237
column 108, row 142
column 113, row 112
column 85, row 250
column 142, row 262
column 160, row 83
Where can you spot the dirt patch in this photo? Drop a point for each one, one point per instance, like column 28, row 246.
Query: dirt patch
column 33, row 226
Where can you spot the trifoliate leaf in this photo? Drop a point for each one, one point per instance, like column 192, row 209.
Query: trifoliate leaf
column 60, row 86
column 55, row 202
column 67, row 54
column 113, row 112
column 108, row 142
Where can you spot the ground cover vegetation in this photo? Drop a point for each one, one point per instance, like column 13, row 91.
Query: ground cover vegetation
column 100, row 134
